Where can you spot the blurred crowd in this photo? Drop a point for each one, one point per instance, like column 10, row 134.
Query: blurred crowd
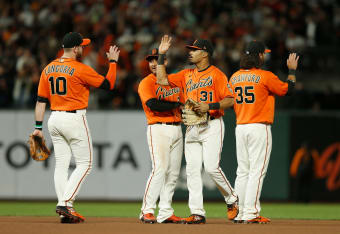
column 32, row 31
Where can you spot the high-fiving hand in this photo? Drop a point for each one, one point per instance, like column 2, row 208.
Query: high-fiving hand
column 113, row 53
column 292, row 61
column 165, row 44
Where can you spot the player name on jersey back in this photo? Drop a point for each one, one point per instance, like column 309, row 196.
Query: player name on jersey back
column 60, row 68
column 245, row 78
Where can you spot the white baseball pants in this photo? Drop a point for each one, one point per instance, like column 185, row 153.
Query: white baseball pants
column 203, row 144
column 166, row 149
column 253, row 148
column 70, row 136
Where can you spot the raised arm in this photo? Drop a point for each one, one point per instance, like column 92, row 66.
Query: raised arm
column 162, row 78
column 111, row 75
column 292, row 63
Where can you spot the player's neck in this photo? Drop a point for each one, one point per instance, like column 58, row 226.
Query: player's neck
column 68, row 55
column 202, row 65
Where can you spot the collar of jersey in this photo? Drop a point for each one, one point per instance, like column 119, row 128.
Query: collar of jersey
column 66, row 58
column 204, row 68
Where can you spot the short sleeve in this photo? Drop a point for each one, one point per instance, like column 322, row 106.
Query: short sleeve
column 177, row 79
column 43, row 88
column 275, row 85
column 90, row 77
column 222, row 86
column 146, row 90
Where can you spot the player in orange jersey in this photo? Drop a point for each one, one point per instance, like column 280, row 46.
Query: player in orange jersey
column 208, row 86
column 161, row 105
column 65, row 83
column 254, row 92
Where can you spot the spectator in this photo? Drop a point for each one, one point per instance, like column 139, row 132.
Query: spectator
column 29, row 32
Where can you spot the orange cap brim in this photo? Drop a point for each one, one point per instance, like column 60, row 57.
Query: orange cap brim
column 85, row 42
column 267, row 51
column 193, row 47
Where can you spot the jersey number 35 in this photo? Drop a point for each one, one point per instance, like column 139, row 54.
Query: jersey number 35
column 245, row 94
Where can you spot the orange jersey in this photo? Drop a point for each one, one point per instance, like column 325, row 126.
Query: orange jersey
column 209, row 86
column 254, row 92
column 148, row 89
column 66, row 82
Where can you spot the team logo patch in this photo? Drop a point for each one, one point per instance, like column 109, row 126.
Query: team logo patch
column 230, row 89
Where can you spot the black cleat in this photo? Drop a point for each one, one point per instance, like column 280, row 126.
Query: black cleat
column 70, row 214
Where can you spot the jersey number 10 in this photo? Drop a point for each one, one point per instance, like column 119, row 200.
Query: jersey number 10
column 245, row 94
column 59, row 86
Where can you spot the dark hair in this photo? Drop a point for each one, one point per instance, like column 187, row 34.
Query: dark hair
column 249, row 61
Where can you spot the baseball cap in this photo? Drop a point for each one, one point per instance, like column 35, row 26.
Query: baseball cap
column 73, row 39
column 256, row 47
column 201, row 44
column 153, row 54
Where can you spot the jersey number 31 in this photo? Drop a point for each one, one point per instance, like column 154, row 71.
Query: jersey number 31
column 245, row 94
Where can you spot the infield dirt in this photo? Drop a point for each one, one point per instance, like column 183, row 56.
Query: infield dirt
column 103, row 225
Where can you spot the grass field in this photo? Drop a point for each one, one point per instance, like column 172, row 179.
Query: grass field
column 214, row 210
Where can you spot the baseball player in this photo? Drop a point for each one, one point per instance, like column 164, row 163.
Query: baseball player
column 254, row 90
column 65, row 83
column 208, row 86
column 164, row 134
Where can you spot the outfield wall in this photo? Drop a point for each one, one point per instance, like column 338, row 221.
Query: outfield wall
column 120, row 167
column 122, row 164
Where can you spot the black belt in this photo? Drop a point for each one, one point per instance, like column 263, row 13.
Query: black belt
column 72, row 111
column 169, row 123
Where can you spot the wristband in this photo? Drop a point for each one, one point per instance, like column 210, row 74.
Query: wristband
column 291, row 72
column 38, row 125
column 214, row 106
column 113, row 61
column 161, row 59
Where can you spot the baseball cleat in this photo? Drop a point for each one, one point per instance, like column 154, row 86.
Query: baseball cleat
column 259, row 219
column 238, row 221
column 70, row 213
column 194, row 219
column 148, row 218
column 64, row 219
column 232, row 211
column 174, row 219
